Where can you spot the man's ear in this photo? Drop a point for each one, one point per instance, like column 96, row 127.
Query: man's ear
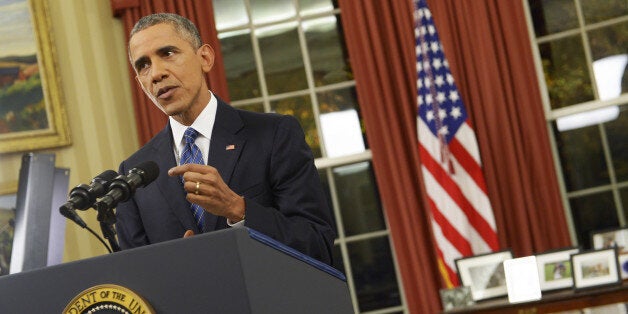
column 206, row 55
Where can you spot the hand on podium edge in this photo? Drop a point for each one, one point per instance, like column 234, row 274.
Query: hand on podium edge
column 188, row 234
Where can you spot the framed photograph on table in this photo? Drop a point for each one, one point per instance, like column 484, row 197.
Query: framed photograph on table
column 623, row 265
column 595, row 268
column 616, row 237
column 555, row 270
column 456, row 298
column 484, row 274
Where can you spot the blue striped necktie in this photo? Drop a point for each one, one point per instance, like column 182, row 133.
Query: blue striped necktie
column 192, row 155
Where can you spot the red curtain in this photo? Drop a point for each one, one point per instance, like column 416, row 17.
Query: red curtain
column 151, row 120
column 488, row 48
column 380, row 41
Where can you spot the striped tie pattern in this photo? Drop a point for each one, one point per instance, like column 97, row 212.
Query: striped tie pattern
column 192, row 155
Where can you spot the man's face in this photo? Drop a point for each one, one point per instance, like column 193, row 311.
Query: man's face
column 171, row 71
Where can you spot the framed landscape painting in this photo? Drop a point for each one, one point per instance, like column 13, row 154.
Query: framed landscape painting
column 31, row 114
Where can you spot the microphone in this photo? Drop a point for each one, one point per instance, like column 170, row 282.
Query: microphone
column 83, row 196
column 123, row 186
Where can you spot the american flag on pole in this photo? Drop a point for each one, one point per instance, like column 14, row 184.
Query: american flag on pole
column 461, row 214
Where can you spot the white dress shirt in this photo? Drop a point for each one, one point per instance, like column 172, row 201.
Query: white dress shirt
column 204, row 124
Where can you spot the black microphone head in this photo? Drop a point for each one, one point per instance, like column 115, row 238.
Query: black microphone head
column 83, row 196
column 123, row 186
column 107, row 175
column 148, row 170
column 105, row 179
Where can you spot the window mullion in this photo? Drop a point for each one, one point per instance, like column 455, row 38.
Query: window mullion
column 612, row 175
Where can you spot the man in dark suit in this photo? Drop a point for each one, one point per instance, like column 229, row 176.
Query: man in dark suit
column 256, row 169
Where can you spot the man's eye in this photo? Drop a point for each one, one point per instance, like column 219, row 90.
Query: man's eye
column 169, row 53
column 142, row 67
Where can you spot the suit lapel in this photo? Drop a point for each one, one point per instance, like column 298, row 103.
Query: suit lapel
column 225, row 147
column 226, row 144
column 172, row 187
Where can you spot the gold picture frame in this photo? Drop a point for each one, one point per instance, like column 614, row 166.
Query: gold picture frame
column 37, row 120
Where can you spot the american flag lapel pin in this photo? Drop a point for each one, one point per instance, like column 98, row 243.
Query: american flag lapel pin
column 230, row 147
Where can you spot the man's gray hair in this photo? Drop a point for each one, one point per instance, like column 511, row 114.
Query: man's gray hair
column 182, row 25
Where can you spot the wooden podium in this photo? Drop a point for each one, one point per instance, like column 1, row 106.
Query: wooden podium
column 229, row 271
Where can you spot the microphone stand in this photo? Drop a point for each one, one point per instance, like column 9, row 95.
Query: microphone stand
column 107, row 218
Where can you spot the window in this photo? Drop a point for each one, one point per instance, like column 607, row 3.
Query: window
column 289, row 57
column 582, row 54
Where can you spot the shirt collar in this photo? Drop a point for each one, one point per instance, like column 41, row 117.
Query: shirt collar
column 203, row 124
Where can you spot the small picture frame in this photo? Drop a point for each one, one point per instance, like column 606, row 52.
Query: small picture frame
column 555, row 271
column 484, row 274
column 522, row 280
column 7, row 228
column 595, row 268
column 456, row 298
column 623, row 265
column 608, row 238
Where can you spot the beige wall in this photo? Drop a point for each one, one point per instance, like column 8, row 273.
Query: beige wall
column 91, row 58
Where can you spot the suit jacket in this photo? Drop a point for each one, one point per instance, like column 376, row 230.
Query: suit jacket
column 270, row 165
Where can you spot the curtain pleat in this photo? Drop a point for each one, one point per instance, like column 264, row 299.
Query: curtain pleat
column 380, row 41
